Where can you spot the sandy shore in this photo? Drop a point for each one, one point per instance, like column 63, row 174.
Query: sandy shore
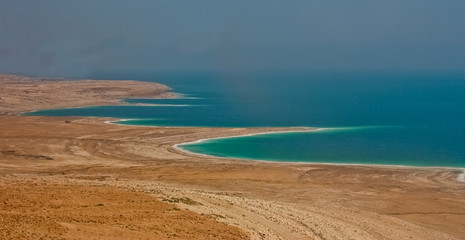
column 50, row 167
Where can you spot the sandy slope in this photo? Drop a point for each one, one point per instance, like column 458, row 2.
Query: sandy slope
column 39, row 208
column 51, row 167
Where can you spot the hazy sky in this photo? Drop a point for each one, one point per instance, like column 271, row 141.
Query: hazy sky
column 80, row 38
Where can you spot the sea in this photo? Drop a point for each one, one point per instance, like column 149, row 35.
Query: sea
column 382, row 118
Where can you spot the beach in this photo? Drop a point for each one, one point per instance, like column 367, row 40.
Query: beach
column 241, row 199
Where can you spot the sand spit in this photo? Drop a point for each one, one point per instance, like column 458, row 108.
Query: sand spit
column 21, row 94
column 286, row 130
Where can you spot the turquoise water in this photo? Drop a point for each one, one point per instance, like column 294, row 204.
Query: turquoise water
column 373, row 118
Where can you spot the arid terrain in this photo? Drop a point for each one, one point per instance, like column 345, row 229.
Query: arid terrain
column 81, row 178
column 20, row 94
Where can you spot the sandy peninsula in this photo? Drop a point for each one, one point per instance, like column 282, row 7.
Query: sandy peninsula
column 81, row 178
column 21, row 94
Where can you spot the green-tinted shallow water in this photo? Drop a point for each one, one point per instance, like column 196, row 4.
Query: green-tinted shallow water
column 383, row 145
column 398, row 119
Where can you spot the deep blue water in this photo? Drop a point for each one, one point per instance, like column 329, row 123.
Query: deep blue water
column 379, row 118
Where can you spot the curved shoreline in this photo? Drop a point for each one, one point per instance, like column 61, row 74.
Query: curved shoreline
column 178, row 147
